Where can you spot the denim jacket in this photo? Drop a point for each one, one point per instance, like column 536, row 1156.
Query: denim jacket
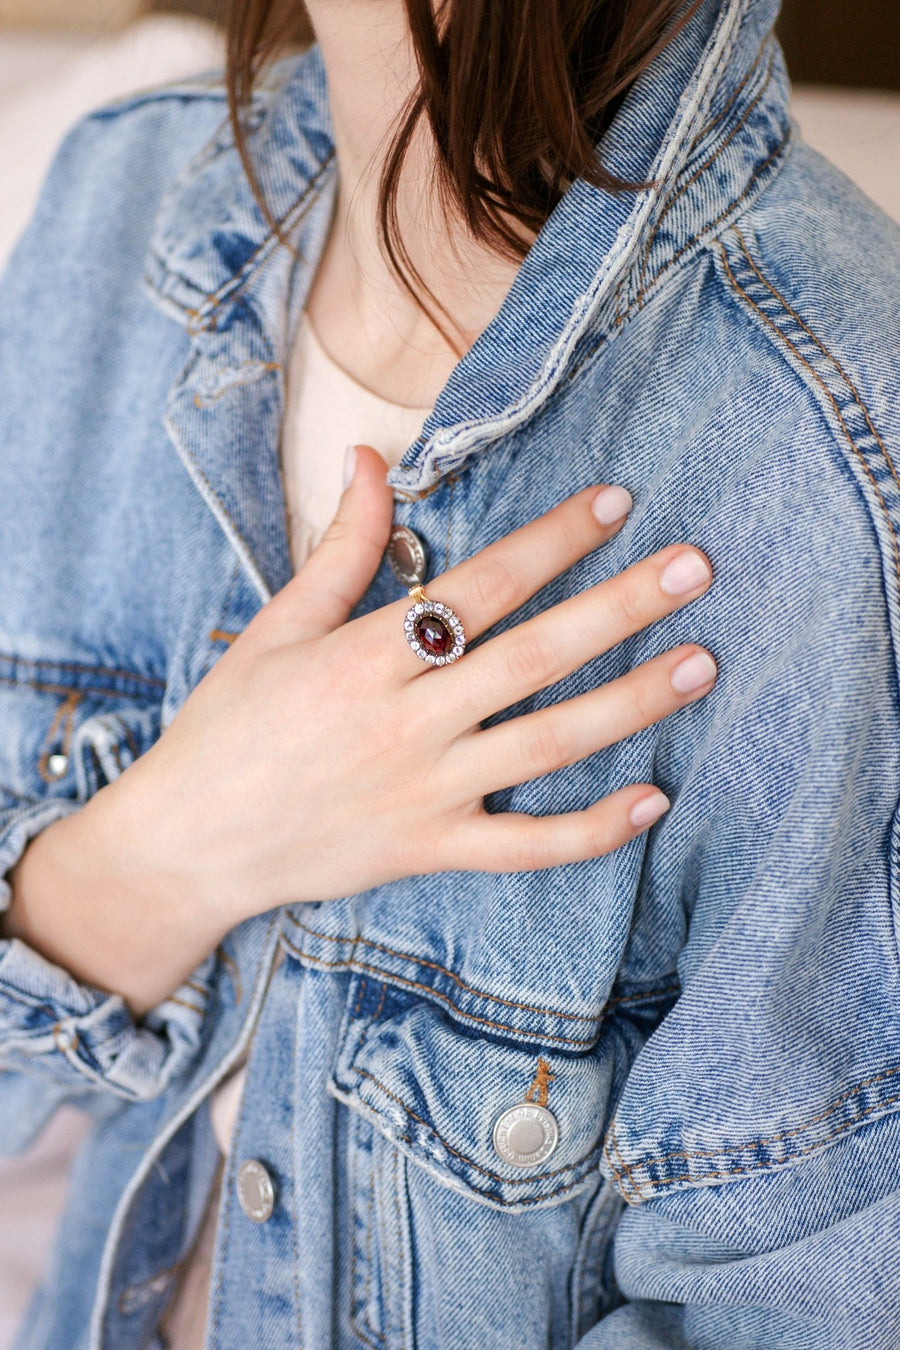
column 708, row 1015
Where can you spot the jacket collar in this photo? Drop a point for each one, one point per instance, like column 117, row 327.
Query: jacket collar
column 705, row 125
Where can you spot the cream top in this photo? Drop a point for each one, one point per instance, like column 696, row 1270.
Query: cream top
column 325, row 411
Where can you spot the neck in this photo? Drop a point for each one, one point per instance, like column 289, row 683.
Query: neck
column 360, row 309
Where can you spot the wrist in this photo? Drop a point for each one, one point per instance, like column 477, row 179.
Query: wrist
column 86, row 897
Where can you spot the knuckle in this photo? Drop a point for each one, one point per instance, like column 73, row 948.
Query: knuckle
column 530, row 662
column 629, row 601
column 533, row 850
column 599, row 833
column 548, row 745
column 645, row 701
column 336, row 531
column 492, row 587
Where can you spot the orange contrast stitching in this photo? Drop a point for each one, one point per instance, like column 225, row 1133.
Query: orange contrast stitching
column 204, row 400
column 540, row 1087
column 358, row 941
column 832, row 400
column 66, row 710
column 825, row 352
column 748, row 1171
column 613, row 1138
column 711, row 225
column 173, row 998
column 786, row 1134
column 735, row 95
column 584, row 1042
column 233, row 971
column 494, row 1176
column 76, row 665
column 218, row 635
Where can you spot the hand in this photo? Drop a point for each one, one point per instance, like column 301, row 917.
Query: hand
column 321, row 757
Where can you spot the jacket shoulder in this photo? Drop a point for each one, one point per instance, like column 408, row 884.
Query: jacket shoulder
column 813, row 274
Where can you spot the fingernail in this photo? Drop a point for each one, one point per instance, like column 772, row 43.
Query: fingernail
column 685, row 573
column 612, row 504
column 693, row 673
column 648, row 810
column 349, row 465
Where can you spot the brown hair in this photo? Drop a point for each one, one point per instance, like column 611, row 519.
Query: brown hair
column 549, row 75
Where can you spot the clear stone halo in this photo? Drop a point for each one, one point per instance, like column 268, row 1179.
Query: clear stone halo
column 433, row 630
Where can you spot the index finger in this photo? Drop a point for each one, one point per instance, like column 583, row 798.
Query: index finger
column 499, row 578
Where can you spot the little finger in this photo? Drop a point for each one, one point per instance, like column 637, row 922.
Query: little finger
column 513, row 841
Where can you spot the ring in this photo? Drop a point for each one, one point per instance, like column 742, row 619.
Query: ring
column 433, row 631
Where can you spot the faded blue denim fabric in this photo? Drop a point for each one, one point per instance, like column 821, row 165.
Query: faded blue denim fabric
column 715, row 1005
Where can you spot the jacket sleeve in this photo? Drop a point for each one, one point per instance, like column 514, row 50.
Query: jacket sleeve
column 67, row 723
column 61, row 1039
column 756, row 1142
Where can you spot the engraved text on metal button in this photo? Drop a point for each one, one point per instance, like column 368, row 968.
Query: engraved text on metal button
column 526, row 1135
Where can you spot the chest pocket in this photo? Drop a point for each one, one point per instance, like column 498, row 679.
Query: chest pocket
column 467, row 1147
column 510, row 1123
column 68, row 729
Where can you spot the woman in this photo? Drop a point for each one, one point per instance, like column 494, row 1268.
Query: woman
column 492, row 1065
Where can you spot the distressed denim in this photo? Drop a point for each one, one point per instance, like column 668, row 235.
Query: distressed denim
column 711, row 1012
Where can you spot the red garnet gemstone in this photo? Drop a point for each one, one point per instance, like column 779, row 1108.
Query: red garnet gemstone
column 434, row 634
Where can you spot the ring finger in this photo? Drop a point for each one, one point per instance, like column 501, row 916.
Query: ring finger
column 536, row 743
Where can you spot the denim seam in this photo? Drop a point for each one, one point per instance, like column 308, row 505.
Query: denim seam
column 232, row 288
column 531, row 1037
column 357, row 941
column 294, row 1187
column 88, row 669
column 363, row 1316
column 621, row 316
column 464, row 1158
column 584, row 1163
column 233, row 970
column 825, row 352
column 764, row 1142
column 638, row 302
column 735, row 93
column 25, row 798
column 659, row 1182
column 401, row 1245
column 81, row 690
column 698, row 173
column 260, row 370
column 860, row 455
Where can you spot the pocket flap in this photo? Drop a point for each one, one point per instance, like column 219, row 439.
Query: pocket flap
column 511, row 1125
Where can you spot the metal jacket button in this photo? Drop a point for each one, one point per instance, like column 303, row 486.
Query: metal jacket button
column 406, row 555
column 526, row 1135
column 255, row 1191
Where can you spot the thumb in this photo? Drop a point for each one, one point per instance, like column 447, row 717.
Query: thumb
column 341, row 566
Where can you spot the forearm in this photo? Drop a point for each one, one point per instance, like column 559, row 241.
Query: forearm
column 80, row 900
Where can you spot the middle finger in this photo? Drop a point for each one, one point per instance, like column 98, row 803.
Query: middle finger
column 552, row 644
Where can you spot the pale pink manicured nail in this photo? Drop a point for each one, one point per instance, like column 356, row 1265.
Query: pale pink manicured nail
column 612, row 504
column 693, row 673
column 648, row 809
column 685, row 573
